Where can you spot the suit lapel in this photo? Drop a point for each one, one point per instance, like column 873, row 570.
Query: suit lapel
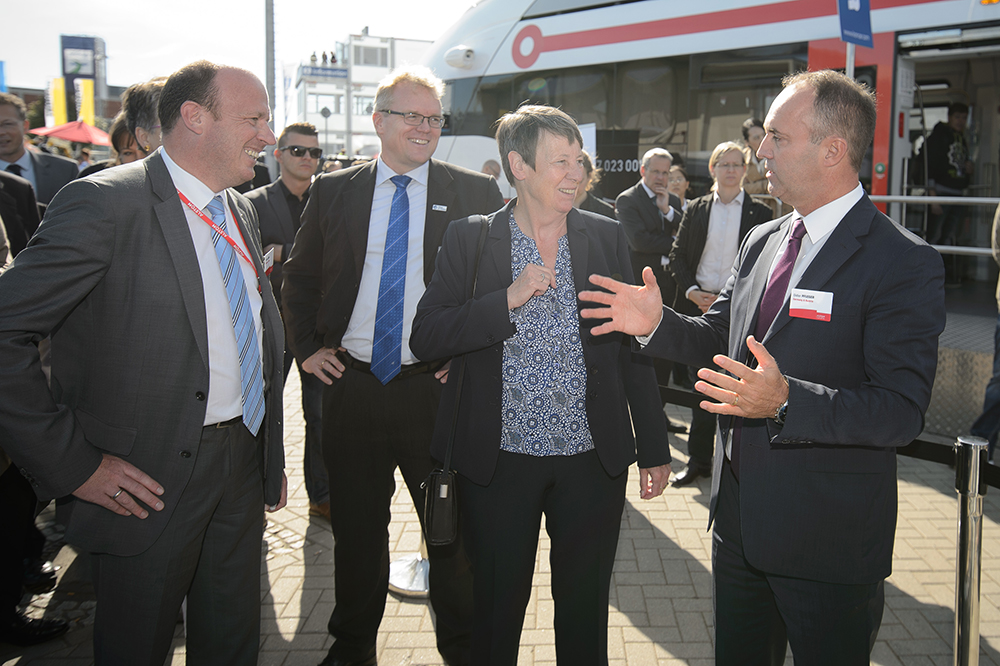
column 276, row 197
column 839, row 247
column 579, row 250
column 758, row 284
column 357, row 197
column 496, row 261
column 440, row 197
column 170, row 216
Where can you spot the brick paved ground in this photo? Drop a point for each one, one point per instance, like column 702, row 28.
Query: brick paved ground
column 661, row 592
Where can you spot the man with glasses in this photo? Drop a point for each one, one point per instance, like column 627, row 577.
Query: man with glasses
column 348, row 322
column 46, row 173
column 279, row 209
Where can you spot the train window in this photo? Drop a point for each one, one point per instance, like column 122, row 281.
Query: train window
column 474, row 105
column 583, row 92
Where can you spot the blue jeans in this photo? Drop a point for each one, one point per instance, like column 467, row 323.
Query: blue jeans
column 988, row 423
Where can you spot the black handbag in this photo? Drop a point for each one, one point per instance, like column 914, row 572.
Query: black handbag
column 440, row 496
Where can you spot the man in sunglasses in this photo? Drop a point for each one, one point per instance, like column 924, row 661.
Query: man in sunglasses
column 348, row 322
column 279, row 208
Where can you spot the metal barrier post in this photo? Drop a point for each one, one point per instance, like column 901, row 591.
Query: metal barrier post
column 970, row 456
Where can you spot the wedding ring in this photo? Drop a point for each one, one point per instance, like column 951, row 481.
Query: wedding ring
column 120, row 491
column 737, row 401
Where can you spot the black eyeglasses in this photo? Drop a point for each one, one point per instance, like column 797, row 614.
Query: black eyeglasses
column 299, row 151
column 415, row 119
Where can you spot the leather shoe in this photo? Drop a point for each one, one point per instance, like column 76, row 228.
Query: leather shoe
column 689, row 474
column 337, row 661
column 676, row 427
column 23, row 630
column 320, row 510
column 39, row 576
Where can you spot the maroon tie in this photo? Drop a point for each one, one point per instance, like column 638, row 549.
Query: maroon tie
column 774, row 295
column 770, row 306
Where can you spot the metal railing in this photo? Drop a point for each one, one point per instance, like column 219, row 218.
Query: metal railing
column 944, row 201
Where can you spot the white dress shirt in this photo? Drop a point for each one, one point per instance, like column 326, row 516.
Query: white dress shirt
column 27, row 168
column 361, row 328
column 721, row 244
column 225, row 390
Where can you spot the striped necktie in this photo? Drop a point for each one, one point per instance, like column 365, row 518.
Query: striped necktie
column 251, row 373
column 388, row 339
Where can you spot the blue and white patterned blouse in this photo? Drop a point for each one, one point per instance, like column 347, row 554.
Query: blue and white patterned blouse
column 544, row 372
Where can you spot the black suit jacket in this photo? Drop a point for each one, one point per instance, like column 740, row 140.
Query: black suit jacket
column 323, row 273
column 113, row 276
column 650, row 236
column 818, row 495
column 448, row 324
column 18, row 209
column 690, row 242
column 52, row 172
column 277, row 227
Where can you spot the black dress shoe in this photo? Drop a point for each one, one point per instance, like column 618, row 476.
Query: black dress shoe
column 689, row 474
column 39, row 576
column 337, row 661
column 676, row 427
column 23, row 630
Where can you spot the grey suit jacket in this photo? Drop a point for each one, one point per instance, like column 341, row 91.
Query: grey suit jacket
column 112, row 275
column 818, row 495
column 52, row 172
column 323, row 274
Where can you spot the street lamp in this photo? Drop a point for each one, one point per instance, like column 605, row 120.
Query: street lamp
column 325, row 112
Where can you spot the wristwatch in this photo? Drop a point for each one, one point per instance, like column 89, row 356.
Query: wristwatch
column 780, row 413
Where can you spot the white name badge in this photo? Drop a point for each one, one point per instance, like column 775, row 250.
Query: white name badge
column 268, row 261
column 808, row 304
column 439, row 208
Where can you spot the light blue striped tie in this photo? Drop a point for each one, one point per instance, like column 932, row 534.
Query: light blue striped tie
column 388, row 340
column 251, row 374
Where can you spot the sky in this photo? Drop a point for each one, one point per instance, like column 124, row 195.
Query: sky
column 145, row 40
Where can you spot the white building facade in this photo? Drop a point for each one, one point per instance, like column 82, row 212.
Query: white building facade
column 337, row 93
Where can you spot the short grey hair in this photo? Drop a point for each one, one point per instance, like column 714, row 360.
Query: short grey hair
column 519, row 132
column 656, row 152
column 415, row 74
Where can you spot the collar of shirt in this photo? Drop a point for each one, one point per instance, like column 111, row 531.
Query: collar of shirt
column 383, row 173
column 291, row 197
column 24, row 161
column 650, row 193
column 196, row 191
column 738, row 199
column 822, row 221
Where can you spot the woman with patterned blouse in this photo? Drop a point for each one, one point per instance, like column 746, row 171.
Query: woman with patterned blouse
column 547, row 412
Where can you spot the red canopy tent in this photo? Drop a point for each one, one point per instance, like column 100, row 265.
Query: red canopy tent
column 77, row 131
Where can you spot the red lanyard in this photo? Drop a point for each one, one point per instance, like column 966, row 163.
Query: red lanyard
column 204, row 218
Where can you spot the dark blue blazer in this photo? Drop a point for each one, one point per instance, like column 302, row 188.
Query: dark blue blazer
column 818, row 496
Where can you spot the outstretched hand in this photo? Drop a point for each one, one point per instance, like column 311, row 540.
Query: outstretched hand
column 753, row 393
column 632, row 310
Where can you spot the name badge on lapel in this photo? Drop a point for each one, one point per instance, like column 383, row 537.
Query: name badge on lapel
column 268, row 261
column 809, row 304
column 439, row 208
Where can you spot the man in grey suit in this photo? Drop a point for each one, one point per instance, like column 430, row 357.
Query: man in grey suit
column 333, row 294
column 162, row 428
column 46, row 173
column 279, row 208
column 826, row 334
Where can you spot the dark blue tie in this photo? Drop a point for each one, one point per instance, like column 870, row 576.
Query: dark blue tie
column 388, row 340
column 251, row 374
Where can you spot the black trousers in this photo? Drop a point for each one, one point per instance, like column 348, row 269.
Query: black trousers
column 701, row 437
column 583, row 511
column 209, row 551
column 757, row 614
column 369, row 430
column 18, row 533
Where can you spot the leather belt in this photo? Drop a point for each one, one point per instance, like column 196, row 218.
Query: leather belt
column 235, row 421
column 404, row 372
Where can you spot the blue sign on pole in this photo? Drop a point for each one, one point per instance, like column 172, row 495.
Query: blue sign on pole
column 855, row 21
column 3, row 78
